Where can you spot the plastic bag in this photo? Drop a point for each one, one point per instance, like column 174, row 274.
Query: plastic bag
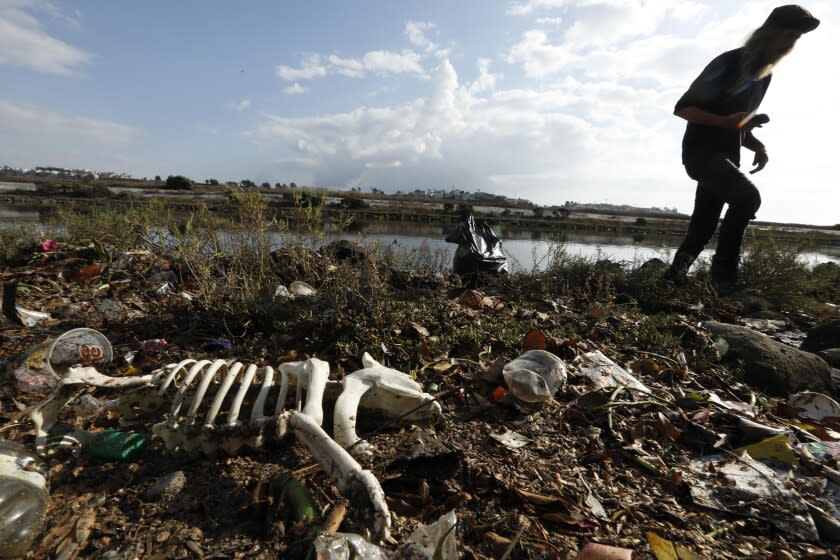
column 479, row 250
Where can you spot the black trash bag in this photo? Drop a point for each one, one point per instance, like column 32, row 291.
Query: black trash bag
column 479, row 250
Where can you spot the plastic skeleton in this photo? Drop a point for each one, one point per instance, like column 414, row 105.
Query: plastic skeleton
column 186, row 425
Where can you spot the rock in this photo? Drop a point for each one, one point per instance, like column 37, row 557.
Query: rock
column 654, row 266
column 772, row 366
column 831, row 357
column 823, row 336
column 166, row 487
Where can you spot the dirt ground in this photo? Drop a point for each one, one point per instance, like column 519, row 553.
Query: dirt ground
column 596, row 466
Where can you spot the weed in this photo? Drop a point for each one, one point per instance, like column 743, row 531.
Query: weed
column 16, row 244
column 777, row 270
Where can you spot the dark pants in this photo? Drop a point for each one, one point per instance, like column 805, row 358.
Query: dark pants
column 719, row 182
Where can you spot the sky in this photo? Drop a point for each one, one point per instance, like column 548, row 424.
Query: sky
column 549, row 100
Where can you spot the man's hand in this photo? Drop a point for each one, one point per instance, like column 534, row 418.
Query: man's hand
column 760, row 160
column 744, row 121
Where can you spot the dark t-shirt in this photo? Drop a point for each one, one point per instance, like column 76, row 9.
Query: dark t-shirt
column 716, row 90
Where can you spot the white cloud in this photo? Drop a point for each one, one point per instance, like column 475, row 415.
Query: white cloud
column 453, row 133
column 24, row 42
column 382, row 62
column 416, row 33
column 486, row 80
column 32, row 135
column 294, row 89
column 392, row 62
column 240, row 105
column 530, row 6
column 17, row 119
column 598, row 126
column 311, row 67
column 549, row 20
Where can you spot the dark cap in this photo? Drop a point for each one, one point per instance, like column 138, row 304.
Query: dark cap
column 792, row 16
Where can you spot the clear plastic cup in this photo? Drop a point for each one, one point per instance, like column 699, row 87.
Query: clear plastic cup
column 535, row 376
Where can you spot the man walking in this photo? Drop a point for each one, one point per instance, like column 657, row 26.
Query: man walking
column 720, row 107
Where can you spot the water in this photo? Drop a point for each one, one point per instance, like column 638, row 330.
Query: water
column 530, row 250
column 526, row 250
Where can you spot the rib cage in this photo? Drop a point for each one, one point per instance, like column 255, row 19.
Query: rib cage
column 223, row 374
column 189, row 385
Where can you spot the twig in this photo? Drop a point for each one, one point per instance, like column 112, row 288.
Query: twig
column 514, row 541
column 615, row 393
column 335, row 517
column 660, row 356
column 719, row 531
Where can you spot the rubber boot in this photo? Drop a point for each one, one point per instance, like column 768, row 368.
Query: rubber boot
column 678, row 271
column 724, row 275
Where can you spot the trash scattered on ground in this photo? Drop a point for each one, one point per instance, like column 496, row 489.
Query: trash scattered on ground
column 218, row 344
column 739, row 484
column 153, row 345
column 87, row 406
column 430, row 542
column 49, row 245
column 606, row 374
column 535, row 376
column 115, row 445
column 299, row 288
column 479, row 249
column 44, row 364
column 510, row 439
column 23, row 498
column 815, row 406
column 433, row 425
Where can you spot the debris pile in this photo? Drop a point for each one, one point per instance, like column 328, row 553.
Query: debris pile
column 493, row 423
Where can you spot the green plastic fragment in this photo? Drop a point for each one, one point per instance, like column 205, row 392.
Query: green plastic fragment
column 116, row 446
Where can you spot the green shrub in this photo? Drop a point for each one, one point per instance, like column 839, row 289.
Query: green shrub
column 178, row 182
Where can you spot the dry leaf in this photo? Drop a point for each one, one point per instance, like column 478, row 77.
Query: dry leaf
column 595, row 551
column 83, row 526
column 534, row 340
column 420, row 329
column 662, row 548
column 537, row 499
column 497, row 542
column 666, row 427
column 471, row 299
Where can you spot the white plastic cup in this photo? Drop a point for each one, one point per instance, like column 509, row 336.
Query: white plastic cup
column 535, row 376
column 45, row 363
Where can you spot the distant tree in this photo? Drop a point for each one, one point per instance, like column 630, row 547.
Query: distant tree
column 178, row 182
column 247, row 183
column 278, row 185
column 353, row 203
column 538, row 211
column 213, row 182
column 157, row 178
column 309, row 199
column 265, row 185
column 292, row 186
column 641, row 221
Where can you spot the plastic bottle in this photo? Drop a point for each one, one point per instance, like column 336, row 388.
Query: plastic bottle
column 23, row 498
